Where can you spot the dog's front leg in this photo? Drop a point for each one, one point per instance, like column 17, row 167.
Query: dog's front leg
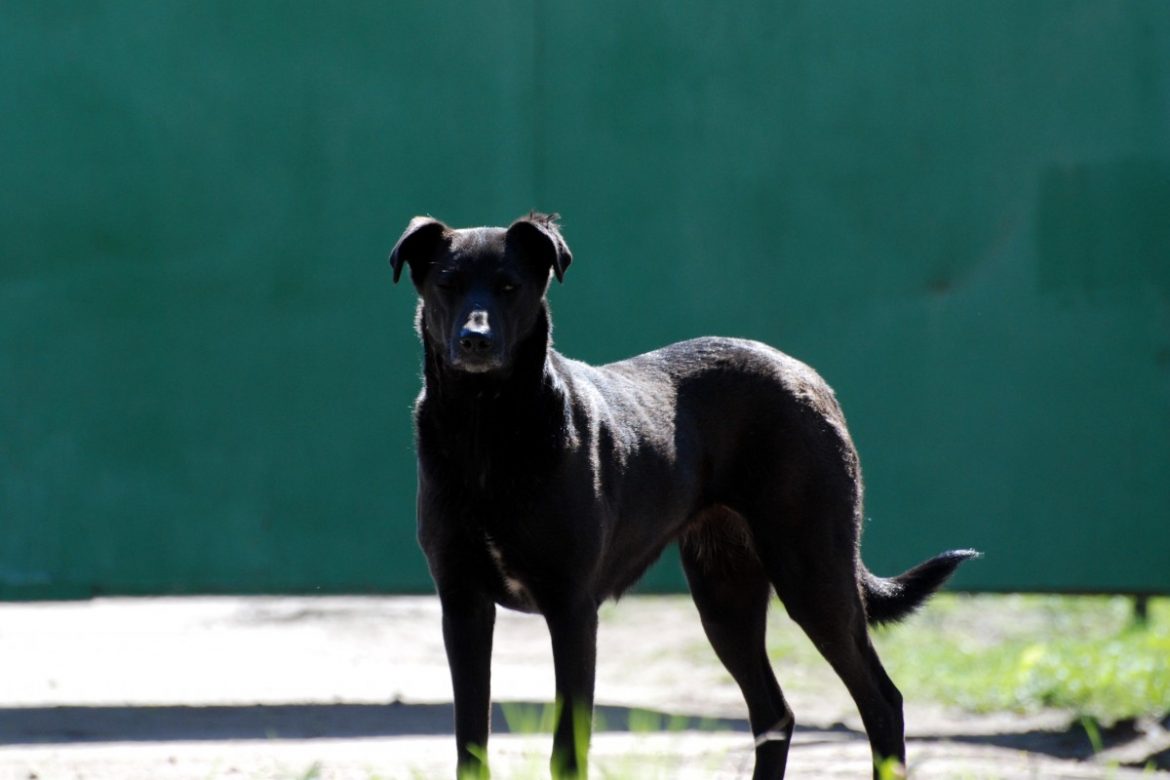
column 573, row 628
column 468, row 623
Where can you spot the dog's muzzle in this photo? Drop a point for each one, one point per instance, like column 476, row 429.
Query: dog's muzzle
column 475, row 347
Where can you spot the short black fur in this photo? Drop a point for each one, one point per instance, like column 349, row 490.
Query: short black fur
column 547, row 485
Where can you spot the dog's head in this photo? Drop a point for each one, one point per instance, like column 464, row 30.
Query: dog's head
column 482, row 288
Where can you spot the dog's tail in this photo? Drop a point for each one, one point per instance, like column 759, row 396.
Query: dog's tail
column 888, row 600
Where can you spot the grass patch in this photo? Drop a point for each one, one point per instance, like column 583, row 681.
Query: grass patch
column 1014, row 653
column 1026, row 653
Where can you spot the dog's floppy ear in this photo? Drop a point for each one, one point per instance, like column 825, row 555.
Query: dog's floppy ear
column 540, row 235
column 417, row 244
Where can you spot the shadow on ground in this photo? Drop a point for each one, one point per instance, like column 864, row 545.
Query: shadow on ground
column 60, row 725
column 98, row 724
column 1074, row 742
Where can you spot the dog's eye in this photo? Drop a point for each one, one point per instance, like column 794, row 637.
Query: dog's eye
column 509, row 287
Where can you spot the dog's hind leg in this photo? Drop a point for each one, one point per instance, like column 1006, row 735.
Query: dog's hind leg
column 844, row 642
column 814, row 567
column 731, row 591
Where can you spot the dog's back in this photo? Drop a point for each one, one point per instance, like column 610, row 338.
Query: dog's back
column 720, row 400
column 710, row 422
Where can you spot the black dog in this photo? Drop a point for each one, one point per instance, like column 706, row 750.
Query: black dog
column 547, row 485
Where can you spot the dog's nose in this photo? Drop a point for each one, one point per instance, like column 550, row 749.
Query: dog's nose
column 472, row 342
column 476, row 334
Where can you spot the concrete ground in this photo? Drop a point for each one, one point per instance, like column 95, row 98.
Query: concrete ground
column 357, row 688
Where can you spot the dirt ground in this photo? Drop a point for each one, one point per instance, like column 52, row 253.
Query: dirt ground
column 357, row 688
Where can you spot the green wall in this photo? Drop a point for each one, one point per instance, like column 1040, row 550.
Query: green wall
column 958, row 212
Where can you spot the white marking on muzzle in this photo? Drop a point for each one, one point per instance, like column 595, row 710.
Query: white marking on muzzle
column 477, row 322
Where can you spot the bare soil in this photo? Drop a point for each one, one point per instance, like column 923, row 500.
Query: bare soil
column 357, row 688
